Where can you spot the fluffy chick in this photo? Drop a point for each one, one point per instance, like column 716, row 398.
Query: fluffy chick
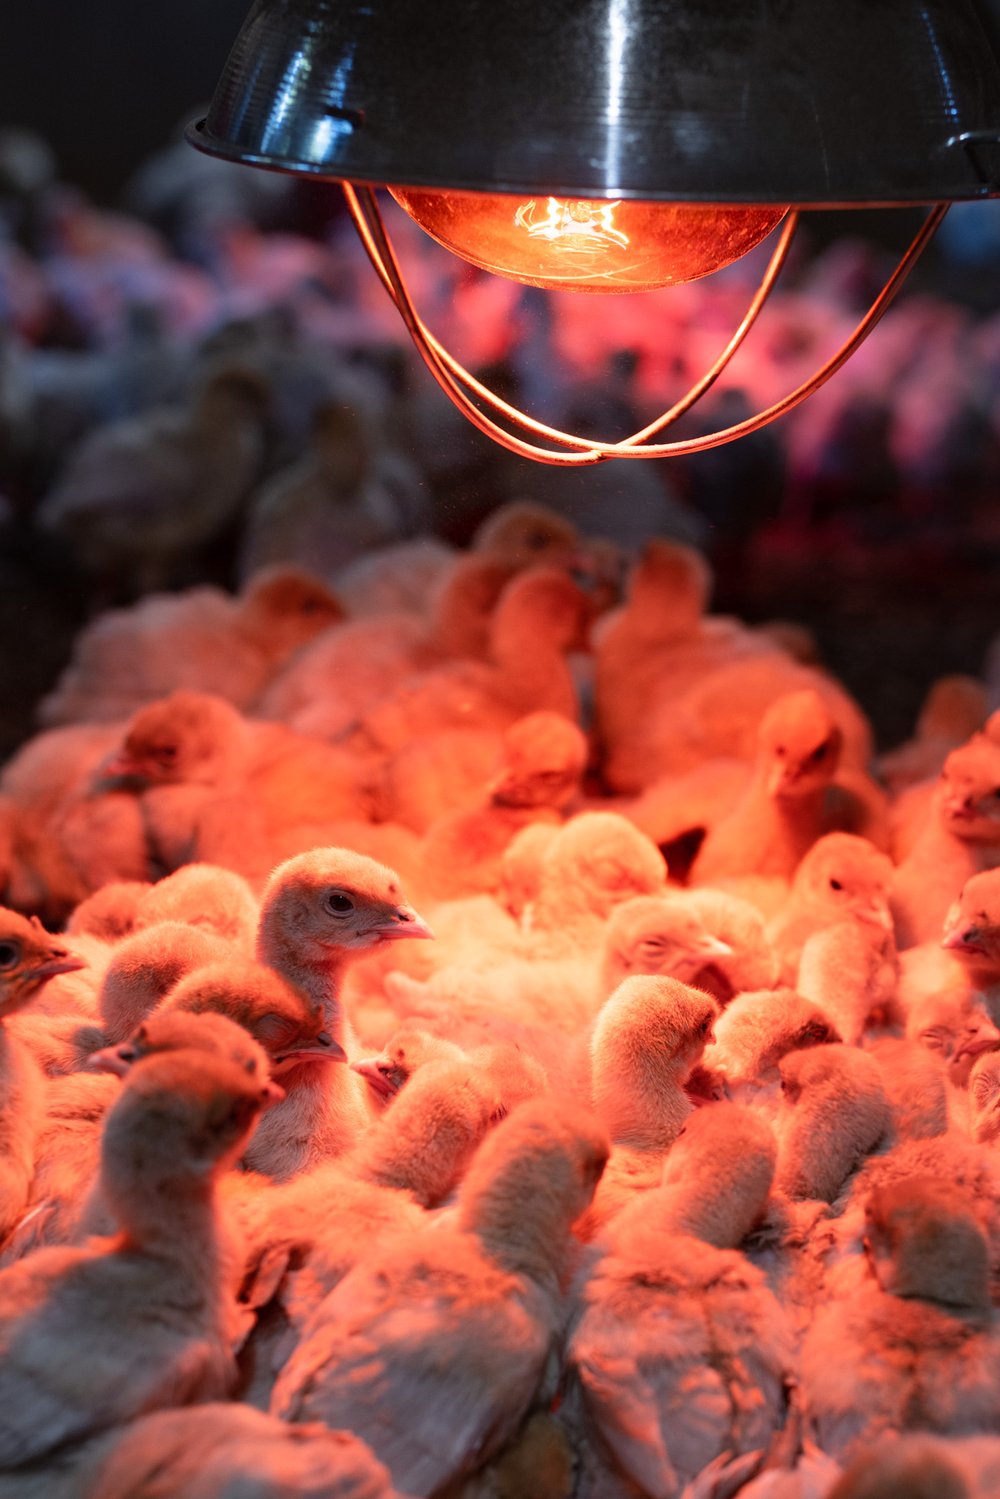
column 436, row 1348
column 217, row 1451
column 201, row 639
column 914, row 1346
column 681, row 1351
column 834, row 1112
column 544, row 756
column 646, row 1040
column 96, row 1335
column 707, row 938
column 959, row 838
column 780, row 815
column 841, row 877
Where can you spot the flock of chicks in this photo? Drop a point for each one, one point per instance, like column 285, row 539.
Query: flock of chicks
column 666, row 1168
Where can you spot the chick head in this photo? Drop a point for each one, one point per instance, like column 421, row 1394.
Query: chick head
column 189, row 737
column 984, row 1098
column 288, row 606
column 541, row 1163
column 647, row 1038
column 924, row 1242
column 182, row 1116
column 972, row 926
column 183, row 1030
column 29, row 957
column 525, row 532
column 285, row 1022
column 652, row 934
column 969, row 790
column 798, row 744
column 758, row 1028
column 544, row 756
column 408, row 1050
column 329, row 905
column 845, row 875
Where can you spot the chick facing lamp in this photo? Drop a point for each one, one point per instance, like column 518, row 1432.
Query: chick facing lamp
column 614, row 144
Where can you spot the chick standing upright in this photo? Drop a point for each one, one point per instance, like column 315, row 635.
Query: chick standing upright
column 320, row 912
column 435, row 1349
column 96, row 1335
column 780, row 815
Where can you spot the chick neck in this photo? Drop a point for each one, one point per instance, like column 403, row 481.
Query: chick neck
column 172, row 1217
column 318, row 982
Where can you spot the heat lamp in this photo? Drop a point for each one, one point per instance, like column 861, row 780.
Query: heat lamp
column 615, row 145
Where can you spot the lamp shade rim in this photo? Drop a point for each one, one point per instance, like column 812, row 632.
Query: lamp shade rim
column 203, row 139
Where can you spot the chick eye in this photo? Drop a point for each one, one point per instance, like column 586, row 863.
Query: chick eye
column 9, row 954
column 166, row 753
column 819, row 752
column 835, row 884
column 339, row 903
column 703, row 1027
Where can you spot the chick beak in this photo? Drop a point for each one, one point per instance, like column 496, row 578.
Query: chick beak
column 983, row 1036
column 59, row 960
column 323, row 1048
column 384, row 1080
column 113, row 1059
column 961, row 938
column 120, row 766
column 714, row 947
column 270, row 1095
column 402, row 922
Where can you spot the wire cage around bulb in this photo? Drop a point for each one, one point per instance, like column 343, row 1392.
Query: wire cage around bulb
column 554, row 127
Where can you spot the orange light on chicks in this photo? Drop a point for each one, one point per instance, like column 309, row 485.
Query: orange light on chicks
column 582, row 244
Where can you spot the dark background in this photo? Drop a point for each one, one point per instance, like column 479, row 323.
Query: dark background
column 106, row 81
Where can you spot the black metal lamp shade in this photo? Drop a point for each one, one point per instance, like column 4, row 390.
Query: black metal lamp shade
column 813, row 102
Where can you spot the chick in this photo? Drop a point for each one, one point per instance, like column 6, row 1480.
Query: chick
column 436, row 1348
column 331, row 684
column 110, row 912
column 596, row 861
column 322, row 1110
column 203, row 895
column 217, row 787
column 914, row 1347
column 707, row 938
column 835, row 1111
column 841, row 877
column 544, row 756
column 65, row 1200
column 409, row 1161
column 28, row 957
column 96, row 1335
column 952, row 711
column 216, row 1450
column 202, row 639
column 849, row 971
column 780, row 815
column 137, row 496
column 960, row 837
column 752, row 1035
column 681, row 1352
column 647, row 1039
column 540, row 617
column 330, row 506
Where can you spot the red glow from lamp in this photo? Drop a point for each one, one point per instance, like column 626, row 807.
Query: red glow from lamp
column 575, row 244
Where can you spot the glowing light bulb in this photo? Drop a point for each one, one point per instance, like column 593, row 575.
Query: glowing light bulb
column 579, row 244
